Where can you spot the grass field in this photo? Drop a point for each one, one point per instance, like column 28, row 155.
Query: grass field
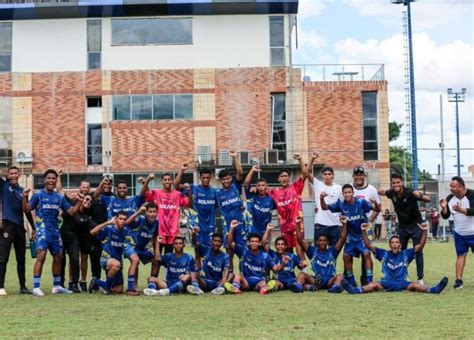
column 284, row 314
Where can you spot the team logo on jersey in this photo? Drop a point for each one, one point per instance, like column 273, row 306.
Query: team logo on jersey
column 5, row 235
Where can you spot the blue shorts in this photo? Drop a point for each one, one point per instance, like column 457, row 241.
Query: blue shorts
column 325, row 282
column 286, row 283
column 145, row 255
column 355, row 248
column 105, row 259
column 394, row 286
column 463, row 243
column 253, row 281
column 204, row 238
column 210, row 284
column 52, row 243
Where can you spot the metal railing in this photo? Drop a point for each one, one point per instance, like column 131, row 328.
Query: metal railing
column 341, row 72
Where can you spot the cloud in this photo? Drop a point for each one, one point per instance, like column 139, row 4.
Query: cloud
column 310, row 8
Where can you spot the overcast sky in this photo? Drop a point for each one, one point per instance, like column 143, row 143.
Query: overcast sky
column 371, row 31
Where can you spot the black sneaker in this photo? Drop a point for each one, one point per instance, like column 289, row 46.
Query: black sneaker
column 458, row 284
column 74, row 287
column 24, row 290
column 317, row 280
column 83, row 285
column 92, row 285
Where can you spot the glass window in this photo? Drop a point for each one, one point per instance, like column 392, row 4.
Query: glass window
column 136, row 32
column 141, row 107
column 94, row 144
column 94, row 60
column 5, row 63
column 183, row 106
column 94, row 44
column 278, row 119
column 369, row 104
column 5, row 46
column 369, row 112
column 163, row 107
column 121, row 107
column 277, row 41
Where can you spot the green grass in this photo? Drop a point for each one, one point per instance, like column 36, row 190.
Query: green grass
column 284, row 314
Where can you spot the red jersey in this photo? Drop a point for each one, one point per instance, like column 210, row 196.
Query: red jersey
column 289, row 204
column 168, row 210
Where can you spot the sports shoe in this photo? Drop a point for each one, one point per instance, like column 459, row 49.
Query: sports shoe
column 92, row 285
column 83, row 285
column 74, row 287
column 348, row 287
column 317, row 280
column 3, row 292
column 24, row 290
column 336, row 289
column 194, row 290
column 421, row 282
column 37, row 292
column 441, row 285
column 164, row 292
column 107, row 292
column 60, row 290
column 458, row 284
column 150, row 292
column 218, row 291
column 268, row 288
column 231, row 289
column 133, row 292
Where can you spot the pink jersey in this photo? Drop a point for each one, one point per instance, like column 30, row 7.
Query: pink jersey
column 168, row 210
column 289, row 204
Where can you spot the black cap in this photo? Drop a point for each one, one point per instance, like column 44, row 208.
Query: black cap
column 327, row 169
column 358, row 170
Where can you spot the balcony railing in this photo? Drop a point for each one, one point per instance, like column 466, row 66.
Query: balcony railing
column 341, row 72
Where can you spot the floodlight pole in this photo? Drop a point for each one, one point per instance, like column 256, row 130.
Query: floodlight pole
column 457, row 97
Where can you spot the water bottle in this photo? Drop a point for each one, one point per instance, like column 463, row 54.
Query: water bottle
column 33, row 249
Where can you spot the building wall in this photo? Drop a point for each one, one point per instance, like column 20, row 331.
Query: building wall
column 220, row 41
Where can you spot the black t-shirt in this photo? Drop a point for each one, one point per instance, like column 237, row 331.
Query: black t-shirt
column 78, row 225
column 98, row 211
column 406, row 207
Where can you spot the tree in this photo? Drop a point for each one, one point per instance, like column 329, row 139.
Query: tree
column 394, row 130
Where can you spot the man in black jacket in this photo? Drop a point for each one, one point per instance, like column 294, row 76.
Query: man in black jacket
column 460, row 205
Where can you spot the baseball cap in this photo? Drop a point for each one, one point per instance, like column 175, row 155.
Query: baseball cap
column 358, row 170
column 327, row 169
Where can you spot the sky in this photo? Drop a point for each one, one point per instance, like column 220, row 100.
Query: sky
column 371, row 31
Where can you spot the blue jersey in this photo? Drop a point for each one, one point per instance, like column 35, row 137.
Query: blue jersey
column 287, row 274
column 253, row 265
column 177, row 266
column 323, row 262
column 140, row 232
column 129, row 205
column 230, row 204
column 112, row 241
column 260, row 208
column 213, row 265
column 355, row 214
column 204, row 207
column 46, row 206
column 10, row 198
column 395, row 266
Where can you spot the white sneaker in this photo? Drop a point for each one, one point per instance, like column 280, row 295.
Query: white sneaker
column 3, row 292
column 164, row 292
column 37, row 292
column 150, row 292
column 421, row 282
column 218, row 291
column 194, row 290
column 60, row 290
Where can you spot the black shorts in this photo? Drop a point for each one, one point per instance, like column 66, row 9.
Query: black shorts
column 85, row 241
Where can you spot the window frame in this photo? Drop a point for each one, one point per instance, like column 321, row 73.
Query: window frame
column 369, row 154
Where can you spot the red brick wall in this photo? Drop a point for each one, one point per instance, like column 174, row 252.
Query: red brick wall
column 334, row 112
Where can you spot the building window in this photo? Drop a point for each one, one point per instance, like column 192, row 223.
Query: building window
column 5, row 46
column 140, row 32
column 94, row 44
column 277, row 41
column 278, row 121
column 369, row 113
column 94, row 144
column 156, row 107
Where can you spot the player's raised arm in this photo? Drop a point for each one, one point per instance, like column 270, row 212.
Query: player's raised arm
column 304, row 169
column 194, row 240
column 364, row 227
column 74, row 209
column 100, row 188
column 238, row 167
column 303, row 244
column 424, row 235
column 420, row 197
column 342, row 240
column 137, row 213
column 179, row 176
column 248, row 178
column 324, row 206
column 96, row 230
column 230, row 236
column 24, row 202
column 145, row 186
column 313, row 158
column 187, row 187
column 268, row 230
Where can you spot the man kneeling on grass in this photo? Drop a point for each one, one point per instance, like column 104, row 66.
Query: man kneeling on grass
column 253, row 263
column 179, row 265
column 395, row 267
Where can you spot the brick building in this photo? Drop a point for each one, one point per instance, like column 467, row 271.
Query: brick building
column 135, row 86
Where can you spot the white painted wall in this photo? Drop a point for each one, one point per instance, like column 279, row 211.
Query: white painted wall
column 49, row 45
column 225, row 41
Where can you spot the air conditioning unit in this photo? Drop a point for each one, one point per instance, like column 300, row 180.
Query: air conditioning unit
column 224, row 158
column 254, row 161
column 24, row 157
column 271, row 157
column 204, row 153
column 244, row 157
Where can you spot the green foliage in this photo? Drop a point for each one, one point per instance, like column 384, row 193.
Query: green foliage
column 394, row 130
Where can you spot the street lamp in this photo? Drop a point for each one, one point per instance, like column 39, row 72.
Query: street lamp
column 457, row 97
column 414, row 149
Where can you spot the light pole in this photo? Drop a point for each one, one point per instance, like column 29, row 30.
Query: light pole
column 414, row 149
column 457, row 97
